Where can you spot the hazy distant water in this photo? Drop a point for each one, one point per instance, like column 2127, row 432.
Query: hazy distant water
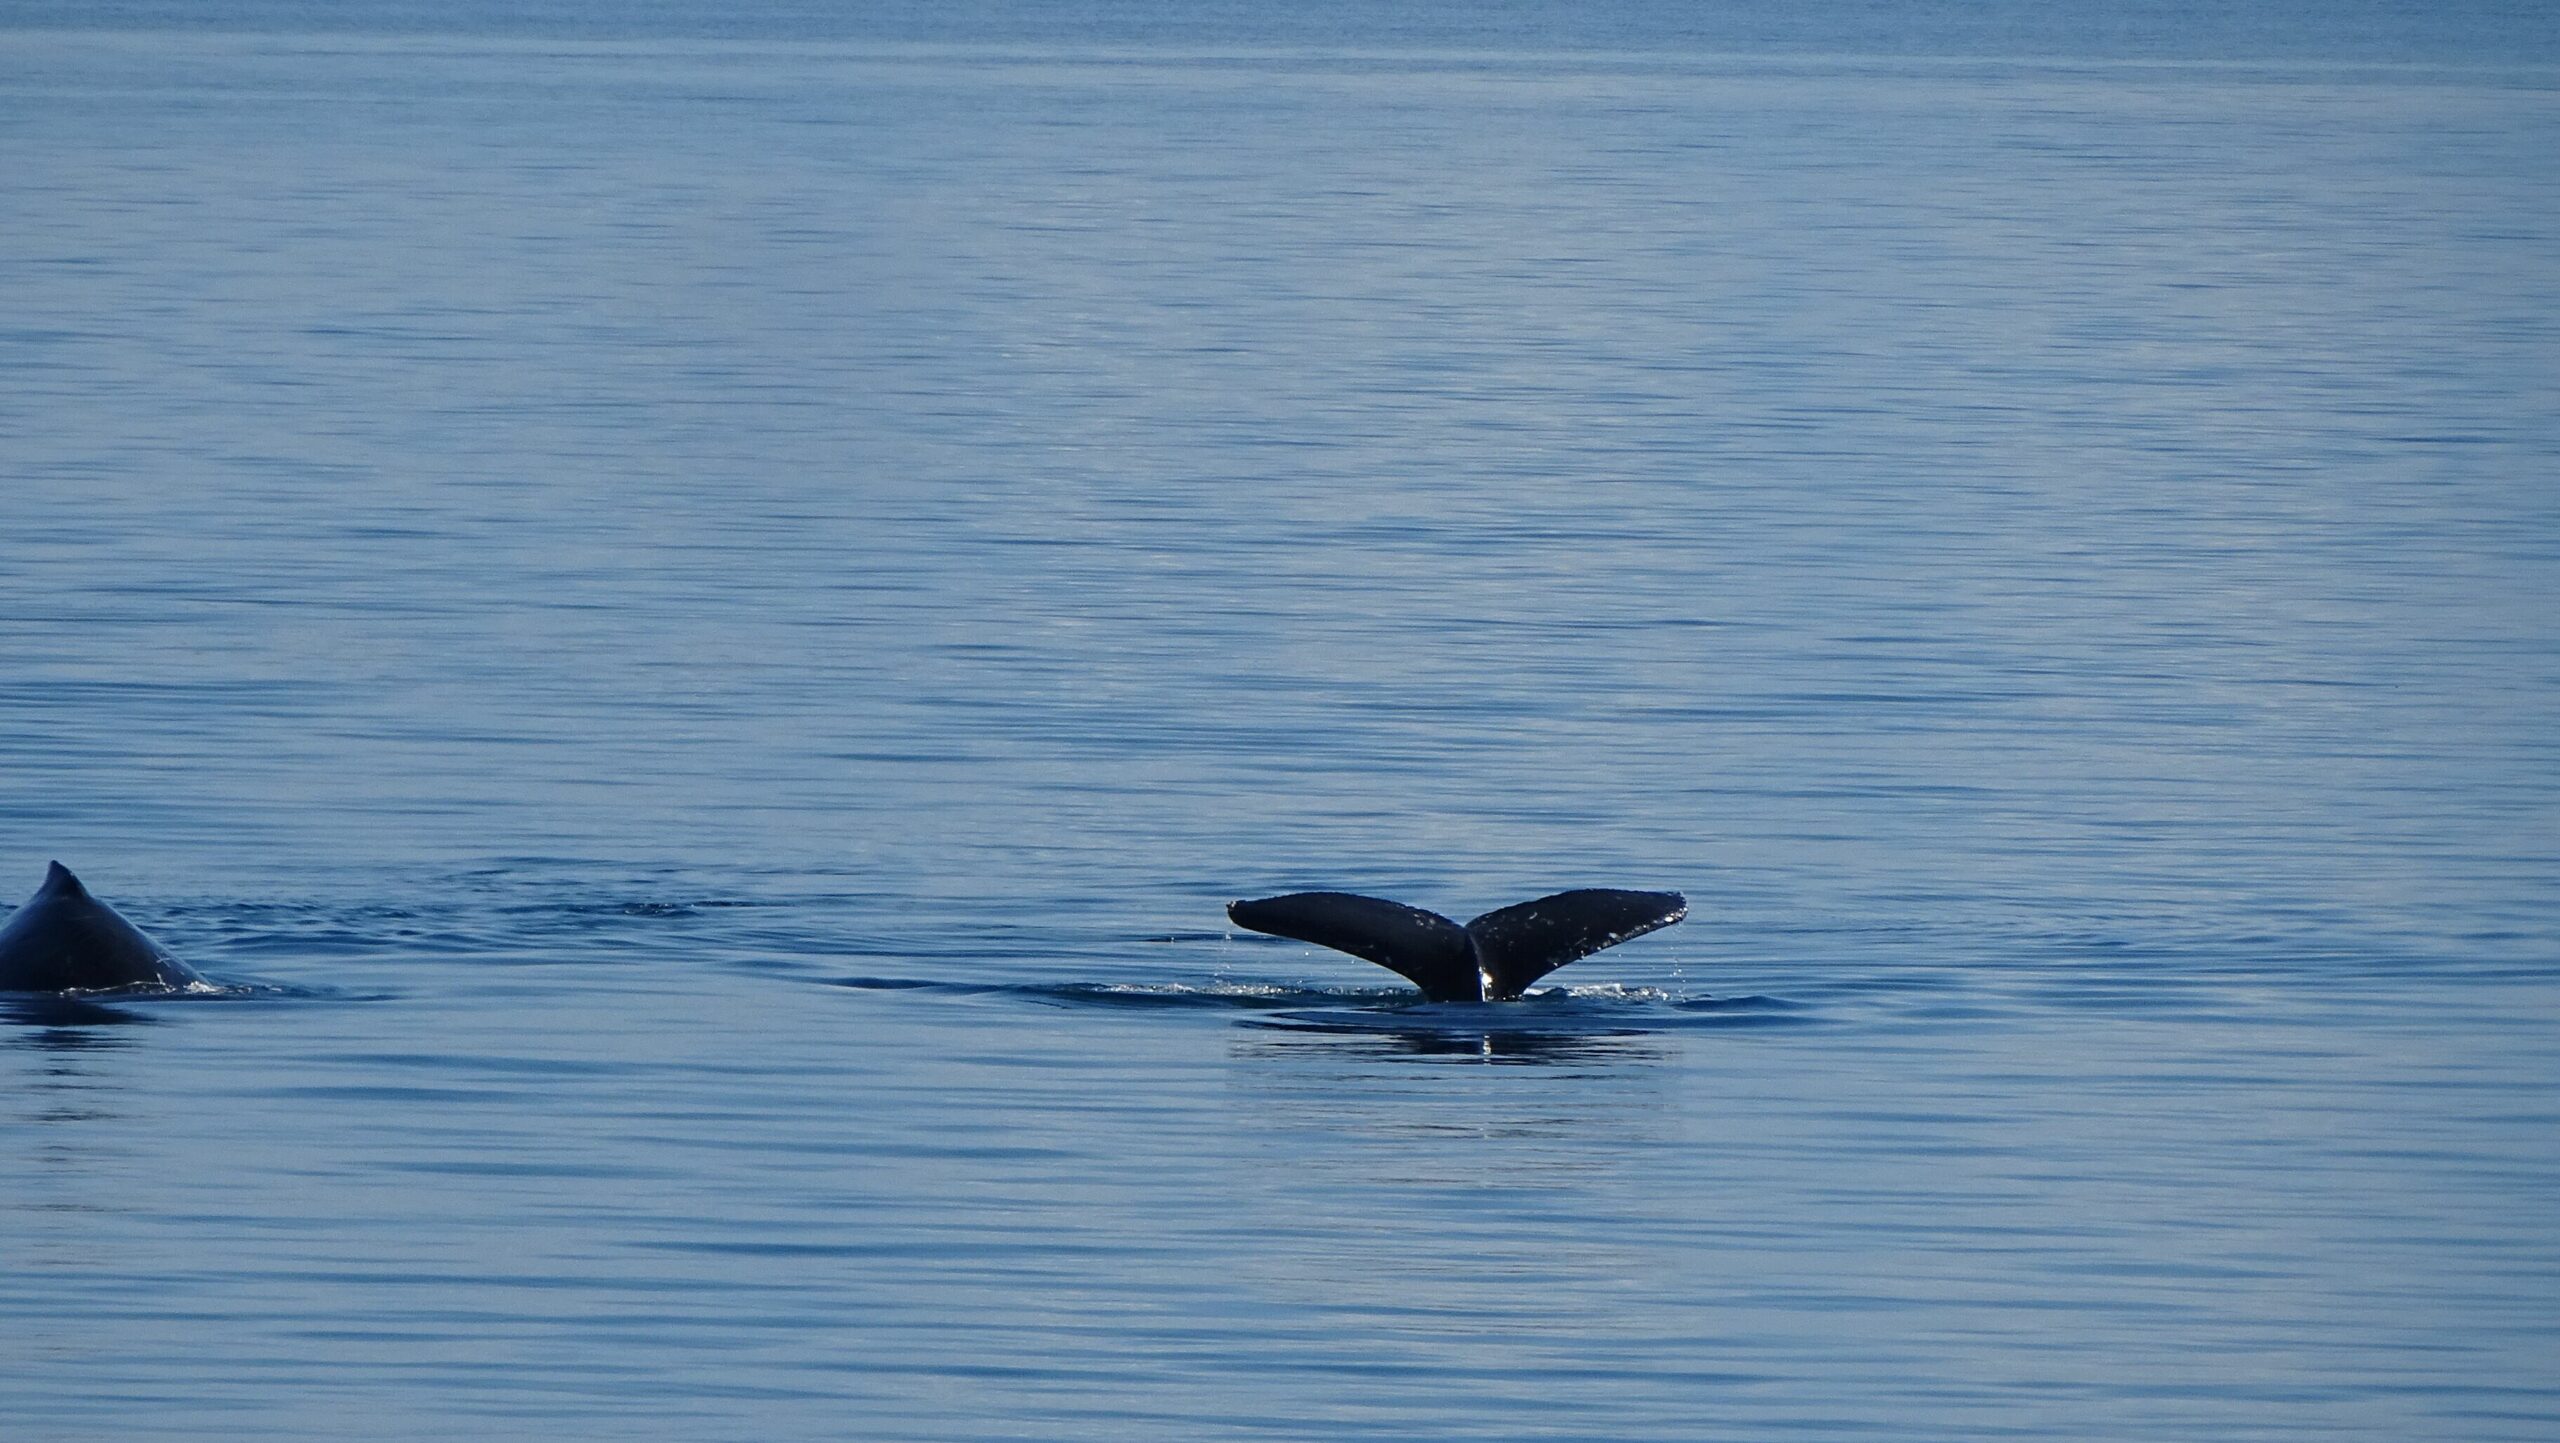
column 708, row 614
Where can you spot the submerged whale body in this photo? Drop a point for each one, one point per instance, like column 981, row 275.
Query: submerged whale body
column 64, row 940
column 1491, row 959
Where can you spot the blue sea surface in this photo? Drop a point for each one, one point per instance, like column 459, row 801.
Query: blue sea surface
column 698, row 611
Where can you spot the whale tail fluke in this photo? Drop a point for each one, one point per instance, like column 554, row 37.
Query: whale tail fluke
column 1425, row 948
column 1517, row 945
column 1493, row 958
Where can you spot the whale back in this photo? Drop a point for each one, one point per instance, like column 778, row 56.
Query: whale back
column 64, row 940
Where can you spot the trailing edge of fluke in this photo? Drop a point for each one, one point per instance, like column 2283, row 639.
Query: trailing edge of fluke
column 1491, row 959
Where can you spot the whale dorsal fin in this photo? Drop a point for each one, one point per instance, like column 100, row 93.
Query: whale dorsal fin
column 64, row 940
column 1517, row 945
column 1425, row 947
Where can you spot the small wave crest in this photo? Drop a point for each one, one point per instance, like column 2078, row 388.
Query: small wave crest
column 1608, row 1009
column 1212, row 996
column 113, row 1006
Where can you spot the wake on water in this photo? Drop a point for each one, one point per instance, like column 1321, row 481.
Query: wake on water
column 1555, row 1014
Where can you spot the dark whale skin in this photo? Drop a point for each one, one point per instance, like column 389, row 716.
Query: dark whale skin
column 1491, row 959
column 64, row 940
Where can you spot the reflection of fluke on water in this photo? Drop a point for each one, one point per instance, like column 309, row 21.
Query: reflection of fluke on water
column 1491, row 959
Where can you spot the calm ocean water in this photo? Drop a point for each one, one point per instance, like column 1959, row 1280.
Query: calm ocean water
column 701, row 616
